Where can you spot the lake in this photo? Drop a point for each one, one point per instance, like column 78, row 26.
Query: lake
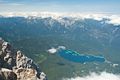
column 81, row 58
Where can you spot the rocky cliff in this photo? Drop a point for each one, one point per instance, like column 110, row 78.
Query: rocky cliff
column 16, row 66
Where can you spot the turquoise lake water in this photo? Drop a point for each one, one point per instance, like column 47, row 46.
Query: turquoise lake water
column 81, row 58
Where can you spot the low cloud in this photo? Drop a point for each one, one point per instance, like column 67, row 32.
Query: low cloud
column 52, row 50
column 95, row 76
column 112, row 19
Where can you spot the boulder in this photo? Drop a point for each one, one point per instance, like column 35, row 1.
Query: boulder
column 6, row 74
column 26, row 74
column 43, row 76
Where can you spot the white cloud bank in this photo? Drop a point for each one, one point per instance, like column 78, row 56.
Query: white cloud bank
column 94, row 76
column 54, row 50
column 113, row 19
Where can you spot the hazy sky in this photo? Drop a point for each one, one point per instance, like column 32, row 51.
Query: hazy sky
column 84, row 6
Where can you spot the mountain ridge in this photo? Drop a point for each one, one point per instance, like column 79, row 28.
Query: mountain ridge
column 110, row 18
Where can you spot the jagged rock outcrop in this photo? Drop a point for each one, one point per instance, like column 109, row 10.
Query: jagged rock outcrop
column 16, row 66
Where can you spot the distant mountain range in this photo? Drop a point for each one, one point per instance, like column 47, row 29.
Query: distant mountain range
column 110, row 18
column 35, row 33
column 88, row 30
column 98, row 27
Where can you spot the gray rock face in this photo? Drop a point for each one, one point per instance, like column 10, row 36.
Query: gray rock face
column 18, row 64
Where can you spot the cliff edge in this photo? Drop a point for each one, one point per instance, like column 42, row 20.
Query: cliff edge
column 16, row 66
